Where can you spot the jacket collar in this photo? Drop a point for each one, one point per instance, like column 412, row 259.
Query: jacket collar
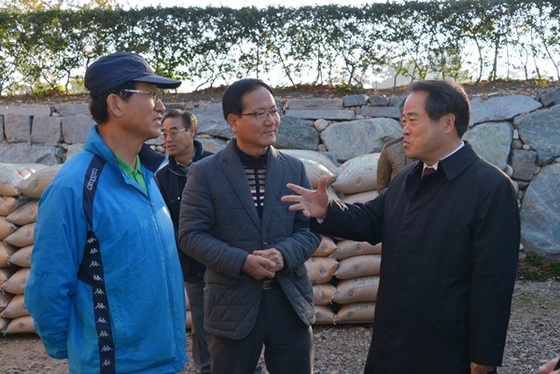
column 453, row 165
column 149, row 158
column 172, row 162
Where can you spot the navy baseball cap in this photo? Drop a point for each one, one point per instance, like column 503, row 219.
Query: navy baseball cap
column 113, row 70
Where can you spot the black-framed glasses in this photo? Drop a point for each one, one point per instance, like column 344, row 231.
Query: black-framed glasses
column 171, row 134
column 156, row 95
column 261, row 115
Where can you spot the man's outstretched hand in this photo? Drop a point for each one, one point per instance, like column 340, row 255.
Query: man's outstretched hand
column 313, row 203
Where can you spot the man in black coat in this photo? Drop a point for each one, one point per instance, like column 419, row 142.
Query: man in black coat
column 179, row 130
column 450, row 244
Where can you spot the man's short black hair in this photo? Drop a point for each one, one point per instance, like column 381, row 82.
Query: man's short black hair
column 232, row 101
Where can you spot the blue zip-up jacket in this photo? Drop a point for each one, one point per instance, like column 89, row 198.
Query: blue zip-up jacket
column 143, row 278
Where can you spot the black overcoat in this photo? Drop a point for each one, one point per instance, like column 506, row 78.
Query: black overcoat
column 450, row 251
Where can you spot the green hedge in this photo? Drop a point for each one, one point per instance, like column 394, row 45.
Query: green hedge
column 339, row 45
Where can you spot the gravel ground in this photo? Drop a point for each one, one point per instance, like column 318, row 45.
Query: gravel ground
column 533, row 339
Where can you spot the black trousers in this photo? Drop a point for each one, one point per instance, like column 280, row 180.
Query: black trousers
column 287, row 340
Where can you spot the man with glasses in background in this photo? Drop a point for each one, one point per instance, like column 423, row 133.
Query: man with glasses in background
column 178, row 129
column 232, row 220
column 105, row 289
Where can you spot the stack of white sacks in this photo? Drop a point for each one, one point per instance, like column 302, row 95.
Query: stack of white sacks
column 344, row 273
column 18, row 214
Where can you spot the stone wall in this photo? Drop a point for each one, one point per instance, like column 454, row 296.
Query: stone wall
column 519, row 134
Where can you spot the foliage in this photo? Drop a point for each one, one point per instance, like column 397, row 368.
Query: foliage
column 48, row 45
column 535, row 268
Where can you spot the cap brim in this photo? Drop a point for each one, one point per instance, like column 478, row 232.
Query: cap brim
column 161, row 82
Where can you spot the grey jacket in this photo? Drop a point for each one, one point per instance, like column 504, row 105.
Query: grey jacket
column 219, row 226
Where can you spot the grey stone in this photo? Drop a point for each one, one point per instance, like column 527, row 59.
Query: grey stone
column 211, row 121
column 180, row 106
column 516, row 144
column 501, row 108
column 540, row 214
column 296, row 133
column 523, row 163
column 21, row 153
column 73, row 150
column 17, row 127
column 75, row 129
column 46, row 130
column 380, row 111
column 355, row 138
column 397, row 101
column 550, row 97
column 378, row 100
column 212, row 145
column 354, row 100
column 328, row 114
column 72, row 109
column 491, row 141
column 1, row 128
column 321, row 124
column 541, row 130
column 314, row 104
column 25, row 109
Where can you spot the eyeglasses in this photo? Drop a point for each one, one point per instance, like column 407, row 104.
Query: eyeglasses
column 156, row 95
column 261, row 115
column 171, row 134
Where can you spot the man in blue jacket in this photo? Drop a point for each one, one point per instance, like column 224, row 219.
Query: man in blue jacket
column 178, row 129
column 105, row 289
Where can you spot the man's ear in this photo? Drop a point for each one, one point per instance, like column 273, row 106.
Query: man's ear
column 232, row 122
column 449, row 122
column 114, row 102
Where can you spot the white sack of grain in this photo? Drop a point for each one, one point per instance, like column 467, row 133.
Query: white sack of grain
column 6, row 228
column 360, row 197
column 23, row 236
column 6, row 251
column 325, row 248
column 350, row 248
column 6, row 273
column 12, row 174
column 3, row 323
column 358, row 266
column 358, row 174
column 5, row 298
column 22, row 257
column 24, row 215
column 320, row 269
column 315, row 171
column 323, row 315
column 15, row 308
column 34, row 186
column 316, row 156
column 355, row 313
column 323, row 293
column 7, row 205
column 356, row 290
column 189, row 320
column 17, row 282
column 20, row 325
